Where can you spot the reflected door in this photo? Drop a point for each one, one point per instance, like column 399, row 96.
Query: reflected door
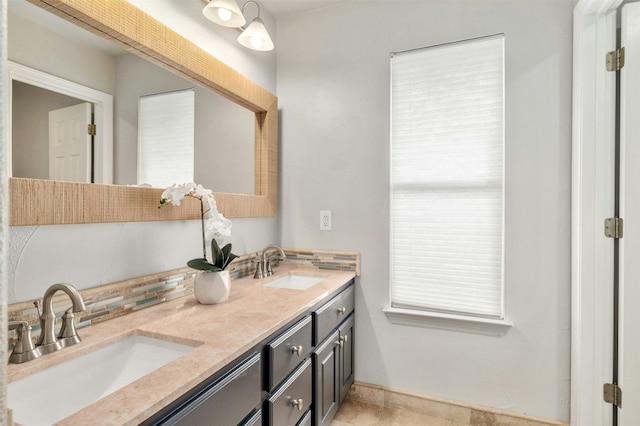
column 70, row 143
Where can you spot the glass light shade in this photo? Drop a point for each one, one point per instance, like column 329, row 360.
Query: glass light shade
column 256, row 37
column 225, row 13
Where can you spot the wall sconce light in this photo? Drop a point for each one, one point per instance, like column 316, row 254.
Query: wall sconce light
column 228, row 14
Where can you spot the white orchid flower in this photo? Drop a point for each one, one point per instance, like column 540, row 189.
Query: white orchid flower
column 175, row 194
column 210, row 207
column 201, row 192
column 217, row 229
column 214, row 224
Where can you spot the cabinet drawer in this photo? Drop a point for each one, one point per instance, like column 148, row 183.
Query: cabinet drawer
column 254, row 420
column 291, row 400
column 226, row 402
column 332, row 313
column 288, row 351
column 306, row 420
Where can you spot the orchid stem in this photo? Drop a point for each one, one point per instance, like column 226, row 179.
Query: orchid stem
column 204, row 246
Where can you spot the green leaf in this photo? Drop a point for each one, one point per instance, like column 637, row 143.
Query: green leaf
column 217, row 254
column 221, row 257
column 228, row 256
column 202, row 265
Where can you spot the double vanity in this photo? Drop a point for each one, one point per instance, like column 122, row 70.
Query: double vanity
column 277, row 352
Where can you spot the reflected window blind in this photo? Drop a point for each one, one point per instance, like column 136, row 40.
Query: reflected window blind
column 447, row 178
column 166, row 138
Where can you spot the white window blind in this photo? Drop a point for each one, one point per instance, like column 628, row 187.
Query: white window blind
column 166, row 138
column 447, row 181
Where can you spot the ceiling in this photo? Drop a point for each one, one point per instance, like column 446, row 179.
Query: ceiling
column 189, row 17
column 282, row 8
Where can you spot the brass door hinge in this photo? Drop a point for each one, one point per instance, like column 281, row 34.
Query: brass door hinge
column 615, row 59
column 612, row 394
column 91, row 129
column 613, row 227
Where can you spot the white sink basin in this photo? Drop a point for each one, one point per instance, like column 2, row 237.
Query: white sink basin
column 295, row 282
column 48, row 396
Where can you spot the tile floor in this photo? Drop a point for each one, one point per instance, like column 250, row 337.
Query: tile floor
column 356, row 413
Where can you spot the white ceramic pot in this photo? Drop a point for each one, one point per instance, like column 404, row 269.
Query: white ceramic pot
column 211, row 287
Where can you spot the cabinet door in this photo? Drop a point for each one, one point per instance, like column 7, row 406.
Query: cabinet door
column 346, row 356
column 326, row 381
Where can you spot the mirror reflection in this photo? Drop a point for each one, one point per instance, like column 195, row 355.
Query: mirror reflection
column 222, row 129
column 33, row 108
column 165, row 138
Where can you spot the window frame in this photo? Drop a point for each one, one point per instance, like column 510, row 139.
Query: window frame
column 427, row 317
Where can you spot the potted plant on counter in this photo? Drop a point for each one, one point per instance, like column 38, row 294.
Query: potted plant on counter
column 212, row 281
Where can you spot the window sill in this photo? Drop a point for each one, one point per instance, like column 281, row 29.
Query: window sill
column 444, row 321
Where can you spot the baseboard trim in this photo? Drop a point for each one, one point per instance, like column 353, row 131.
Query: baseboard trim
column 451, row 410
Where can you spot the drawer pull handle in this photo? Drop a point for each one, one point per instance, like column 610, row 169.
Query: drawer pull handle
column 297, row 403
column 342, row 310
column 297, row 350
column 340, row 342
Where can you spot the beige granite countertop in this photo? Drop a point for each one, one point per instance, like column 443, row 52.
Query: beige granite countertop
column 220, row 333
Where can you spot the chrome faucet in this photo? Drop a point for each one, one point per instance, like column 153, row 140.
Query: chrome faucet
column 263, row 268
column 48, row 341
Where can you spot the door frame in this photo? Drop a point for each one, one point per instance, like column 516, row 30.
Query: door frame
column 593, row 191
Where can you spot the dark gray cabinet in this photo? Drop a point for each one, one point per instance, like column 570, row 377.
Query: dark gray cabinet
column 253, row 420
column 291, row 400
column 288, row 351
column 333, row 356
column 306, row 420
column 289, row 376
column 346, row 356
column 225, row 401
column 296, row 377
column 326, row 359
column 327, row 317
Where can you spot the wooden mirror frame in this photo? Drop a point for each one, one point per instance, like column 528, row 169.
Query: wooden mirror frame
column 45, row 202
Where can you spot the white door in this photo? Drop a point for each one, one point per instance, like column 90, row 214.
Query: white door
column 70, row 143
column 629, row 272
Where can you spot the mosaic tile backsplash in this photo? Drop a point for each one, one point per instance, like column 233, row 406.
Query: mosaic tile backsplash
column 116, row 299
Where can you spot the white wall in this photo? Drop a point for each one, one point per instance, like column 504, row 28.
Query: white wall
column 94, row 254
column 333, row 88
column 42, row 49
